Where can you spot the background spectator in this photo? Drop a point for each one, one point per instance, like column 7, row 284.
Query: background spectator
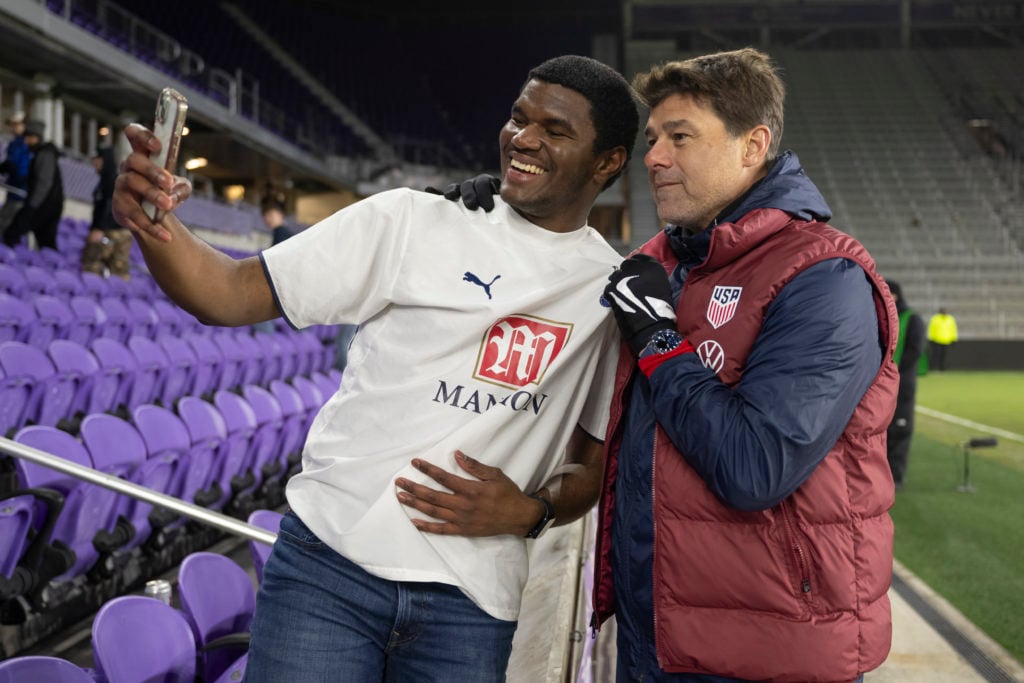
column 908, row 355
column 942, row 334
column 108, row 245
column 44, row 204
column 15, row 166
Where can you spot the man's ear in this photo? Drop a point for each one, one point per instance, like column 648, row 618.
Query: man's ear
column 759, row 139
column 609, row 162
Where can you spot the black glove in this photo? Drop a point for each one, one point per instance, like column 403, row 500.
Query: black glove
column 640, row 296
column 475, row 193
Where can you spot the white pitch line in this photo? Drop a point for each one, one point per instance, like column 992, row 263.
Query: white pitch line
column 968, row 423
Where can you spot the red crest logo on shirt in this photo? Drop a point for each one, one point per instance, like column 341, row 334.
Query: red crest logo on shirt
column 518, row 349
column 723, row 304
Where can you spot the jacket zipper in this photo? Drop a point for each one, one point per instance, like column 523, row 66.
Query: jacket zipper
column 654, row 548
column 798, row 551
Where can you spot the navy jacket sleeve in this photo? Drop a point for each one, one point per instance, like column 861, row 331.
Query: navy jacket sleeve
column 816, row 355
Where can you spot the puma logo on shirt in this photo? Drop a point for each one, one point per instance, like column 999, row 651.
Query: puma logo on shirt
column 469, row 277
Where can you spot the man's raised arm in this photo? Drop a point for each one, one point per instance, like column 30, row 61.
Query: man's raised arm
column 209, row 284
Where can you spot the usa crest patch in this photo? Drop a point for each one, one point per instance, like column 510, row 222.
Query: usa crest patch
column 722, row 306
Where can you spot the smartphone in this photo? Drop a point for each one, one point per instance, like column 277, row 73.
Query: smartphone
column 168, row 124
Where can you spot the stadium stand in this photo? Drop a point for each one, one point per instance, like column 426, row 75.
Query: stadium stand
column 149, row 393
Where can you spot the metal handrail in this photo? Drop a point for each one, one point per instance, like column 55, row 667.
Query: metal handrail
column 109, row 481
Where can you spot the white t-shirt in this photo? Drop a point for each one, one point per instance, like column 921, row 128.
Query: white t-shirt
column 480, row 332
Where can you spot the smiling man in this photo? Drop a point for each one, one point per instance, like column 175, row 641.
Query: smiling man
column 745, row 533
column 481, row 335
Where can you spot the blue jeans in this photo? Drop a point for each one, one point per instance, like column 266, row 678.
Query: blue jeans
column 320, row 617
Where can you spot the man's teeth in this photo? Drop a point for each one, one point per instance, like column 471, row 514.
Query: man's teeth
column 527, row 168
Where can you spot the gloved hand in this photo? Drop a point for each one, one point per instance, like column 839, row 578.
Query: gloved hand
column 640, row 296
column 475, row 193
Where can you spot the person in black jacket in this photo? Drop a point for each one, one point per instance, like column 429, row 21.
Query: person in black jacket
column 44, row 204
column 907, row 357
column 108, row 245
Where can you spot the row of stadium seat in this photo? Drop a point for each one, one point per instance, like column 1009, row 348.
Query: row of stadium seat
column 138, row 638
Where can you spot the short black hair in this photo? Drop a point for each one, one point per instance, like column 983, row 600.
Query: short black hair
column 613, row 106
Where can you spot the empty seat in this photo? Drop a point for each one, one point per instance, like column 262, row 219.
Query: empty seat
column 94, row 285
column 136, row 638
column 151, row 367
column 38, row 280
column 12, row 279
column 271, row 521
column 208, row 364
column 29, row 367
column 208, row 433
column 312, row 398
column 40, row 668
column 53, row 320
column 16, row 318
column 266, row 442
column 117, row 373
column 77, row 369
column 181, row 368
column 293, row 424
column 252, row 357
column 236, row 475
column 87, row 507
column 119, row 319
column 117, row 448
column 145, row 320
column 168, row 438
column 218, row 600
column 89, row 320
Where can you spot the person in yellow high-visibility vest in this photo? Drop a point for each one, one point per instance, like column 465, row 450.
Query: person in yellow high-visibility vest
column 942, row 334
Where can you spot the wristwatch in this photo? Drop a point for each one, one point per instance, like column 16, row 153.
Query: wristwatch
column 663, row 341
column 545, row 521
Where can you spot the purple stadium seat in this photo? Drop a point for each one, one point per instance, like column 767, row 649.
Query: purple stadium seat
column 16, row 318
column 217, row 599
column 16, row 515
column 86, row 506
column 266, row 442
column 121, row 289
column 144, row 316
column 77, row 367
column 66, row 283
column 118, row 363
column 28, row 366
column 252, row 357
column 94, row 285
column 53, row 260
column 171, row 319
column 208, row 364
column 151, row 367
column 328, row 387
column 236, row 475
column 136, row 638
column 312, row 398
column 290, row 353
column 271, row 521
column 335, row 375
column 89, row 320
column 181, row 368
column 208, row 433
column 167, row 437
column 293, row 425
column 7, row 255
column 40, row 668
column 12, row 279
column 119, row 319
column 271, row 357
column 233, row 359
column 117, row 448
column 54, row 319
column 38, row 280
